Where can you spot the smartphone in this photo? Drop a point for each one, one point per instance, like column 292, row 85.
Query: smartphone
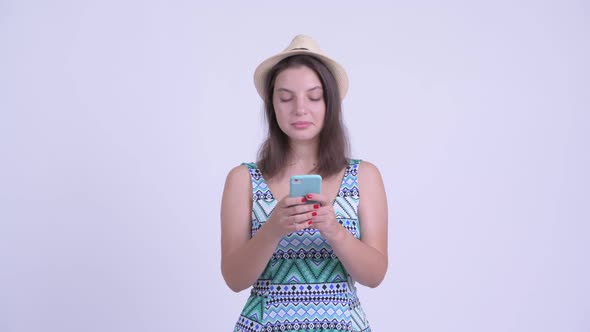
column 301, row 185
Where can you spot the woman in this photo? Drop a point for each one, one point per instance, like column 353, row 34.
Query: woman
column 302, row 260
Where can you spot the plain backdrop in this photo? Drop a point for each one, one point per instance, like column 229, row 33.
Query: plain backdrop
column 119, row 121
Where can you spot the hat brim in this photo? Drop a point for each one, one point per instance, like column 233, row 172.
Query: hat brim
column 261, row 72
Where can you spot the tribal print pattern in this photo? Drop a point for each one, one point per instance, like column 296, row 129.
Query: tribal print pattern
column 304, row 287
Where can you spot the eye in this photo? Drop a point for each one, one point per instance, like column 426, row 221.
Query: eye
column 284, row 96
column 314, row 98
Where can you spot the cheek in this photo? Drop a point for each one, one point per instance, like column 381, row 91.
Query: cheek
column 320, row 113
column 281, row 119
column 280, row 113
column 282, row 107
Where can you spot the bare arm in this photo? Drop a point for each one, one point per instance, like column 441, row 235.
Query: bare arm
column 365, row 260
column 243, row 258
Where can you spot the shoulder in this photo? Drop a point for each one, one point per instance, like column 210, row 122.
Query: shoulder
column 372, row 187
column 367, row 168
column 239, row 175
column 368, row 172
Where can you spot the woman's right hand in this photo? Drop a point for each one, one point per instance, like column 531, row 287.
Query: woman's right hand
column 291, row 214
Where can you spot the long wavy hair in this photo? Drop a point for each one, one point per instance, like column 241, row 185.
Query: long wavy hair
column 334, row 146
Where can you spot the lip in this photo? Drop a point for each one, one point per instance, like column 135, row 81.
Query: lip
column 301, row 124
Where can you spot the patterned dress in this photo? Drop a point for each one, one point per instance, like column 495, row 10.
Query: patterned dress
column 304, row 287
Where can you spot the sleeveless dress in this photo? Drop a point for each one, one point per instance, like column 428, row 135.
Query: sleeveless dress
column 304, row 286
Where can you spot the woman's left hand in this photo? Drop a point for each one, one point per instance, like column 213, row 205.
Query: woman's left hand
column 325, row 220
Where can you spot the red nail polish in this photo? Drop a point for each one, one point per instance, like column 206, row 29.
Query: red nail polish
column 310, row 222
column 313, row 214
column 303, row 200
column 316, row 206
column 309, row 196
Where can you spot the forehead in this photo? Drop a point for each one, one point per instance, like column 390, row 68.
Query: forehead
column 297, row 78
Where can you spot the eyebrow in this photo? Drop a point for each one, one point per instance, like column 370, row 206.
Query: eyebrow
column 287, row 90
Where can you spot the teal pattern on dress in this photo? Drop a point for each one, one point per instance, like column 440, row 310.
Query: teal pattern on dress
column 304, row 286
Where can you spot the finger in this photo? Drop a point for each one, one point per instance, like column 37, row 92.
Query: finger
column 303, row 225
column 325, row 211
column 324, row 215
column 322, row 199
column 293, row 201
column 302, row 208
column 301, row 218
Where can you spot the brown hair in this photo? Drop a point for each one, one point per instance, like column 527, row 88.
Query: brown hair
column 333, row 143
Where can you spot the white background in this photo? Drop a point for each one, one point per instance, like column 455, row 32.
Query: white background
column 119, row 121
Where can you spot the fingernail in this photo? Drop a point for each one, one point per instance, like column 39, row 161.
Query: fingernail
column 309, row 196
column 316, row 206
column 310, row 222
column 303, row 200
column 313, row 214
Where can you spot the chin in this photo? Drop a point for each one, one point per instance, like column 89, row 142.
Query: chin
column 302, row 138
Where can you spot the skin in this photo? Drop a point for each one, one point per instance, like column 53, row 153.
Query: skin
column 300, row 110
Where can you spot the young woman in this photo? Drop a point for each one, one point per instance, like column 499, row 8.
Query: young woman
column 302, row 260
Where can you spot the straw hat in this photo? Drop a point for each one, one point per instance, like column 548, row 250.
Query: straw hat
column 301, row 44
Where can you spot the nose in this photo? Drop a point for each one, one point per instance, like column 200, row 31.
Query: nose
column 300, row 106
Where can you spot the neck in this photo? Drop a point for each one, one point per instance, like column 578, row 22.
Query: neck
column 303, row 156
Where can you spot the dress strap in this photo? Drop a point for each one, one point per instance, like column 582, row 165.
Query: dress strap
column 260, row 190
column 350, row 187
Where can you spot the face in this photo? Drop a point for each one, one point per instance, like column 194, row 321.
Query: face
column 299, row 104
